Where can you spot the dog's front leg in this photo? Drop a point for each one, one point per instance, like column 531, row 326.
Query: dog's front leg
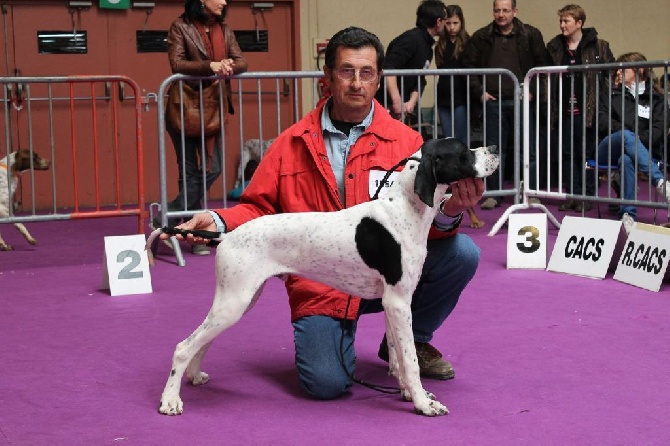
column 393, row 358
column 397, row 307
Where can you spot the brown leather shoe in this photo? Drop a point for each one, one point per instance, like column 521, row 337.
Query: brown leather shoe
column 431, row 364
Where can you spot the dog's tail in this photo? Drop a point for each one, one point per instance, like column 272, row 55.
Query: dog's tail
column 155, row 233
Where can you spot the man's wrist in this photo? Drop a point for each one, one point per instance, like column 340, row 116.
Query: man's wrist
column 445, row 222
column 220, row 224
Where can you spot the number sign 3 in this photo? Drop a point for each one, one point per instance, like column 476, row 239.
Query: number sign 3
column 527, row 241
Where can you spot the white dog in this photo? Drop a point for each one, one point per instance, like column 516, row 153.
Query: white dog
column 11, row 167
column 370, row 250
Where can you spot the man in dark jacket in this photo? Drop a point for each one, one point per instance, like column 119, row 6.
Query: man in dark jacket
column 576, row 45
column 505, row 43
column 411, row 50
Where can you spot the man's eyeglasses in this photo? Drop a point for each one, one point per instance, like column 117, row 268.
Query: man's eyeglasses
column 364, row 74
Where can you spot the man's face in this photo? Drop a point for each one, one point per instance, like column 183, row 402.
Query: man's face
column 569, row 26
column 353, row 83
column 503, row 13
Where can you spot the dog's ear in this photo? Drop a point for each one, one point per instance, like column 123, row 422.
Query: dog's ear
column 425, row 181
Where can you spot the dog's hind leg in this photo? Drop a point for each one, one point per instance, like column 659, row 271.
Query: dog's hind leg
column 24, row 231
column 231, row 300
column 194, row 373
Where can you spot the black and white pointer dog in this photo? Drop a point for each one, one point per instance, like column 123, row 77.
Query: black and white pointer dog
column 371, row 250
column 11, row 167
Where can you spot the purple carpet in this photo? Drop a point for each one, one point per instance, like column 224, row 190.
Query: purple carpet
column 540, row 358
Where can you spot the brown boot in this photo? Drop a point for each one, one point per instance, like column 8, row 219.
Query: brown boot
column 431, row 364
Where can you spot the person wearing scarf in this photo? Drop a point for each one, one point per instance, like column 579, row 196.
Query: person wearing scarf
column 201, row 44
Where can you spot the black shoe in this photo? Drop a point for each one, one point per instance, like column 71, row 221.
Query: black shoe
column 431, row 364
column 582, row 206
column 568, row 206
column 156, row 222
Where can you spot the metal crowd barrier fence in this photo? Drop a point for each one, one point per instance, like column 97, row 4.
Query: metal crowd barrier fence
column 571, row 128
column 273, row 100
column 247, row 87
column 93, row 141
column 485, row 121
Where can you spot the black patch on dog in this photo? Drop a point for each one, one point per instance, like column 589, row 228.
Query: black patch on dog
column 379, row 250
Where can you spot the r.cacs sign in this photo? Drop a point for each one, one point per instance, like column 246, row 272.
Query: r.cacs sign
column 645, row 256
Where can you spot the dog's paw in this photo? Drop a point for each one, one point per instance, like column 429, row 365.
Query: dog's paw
column 32, row 241
column 432, row 409
column 198, row 379
column 171, row 406
column 5, row 247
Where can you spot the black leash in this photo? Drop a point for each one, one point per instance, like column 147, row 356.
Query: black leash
column 212, row 236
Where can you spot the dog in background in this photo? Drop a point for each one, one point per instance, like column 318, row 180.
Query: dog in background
column 368, row 250
column 11, row 167
column 475, row 222
column 252, row 150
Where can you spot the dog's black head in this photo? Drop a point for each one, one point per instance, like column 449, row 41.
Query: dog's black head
column 444, row 161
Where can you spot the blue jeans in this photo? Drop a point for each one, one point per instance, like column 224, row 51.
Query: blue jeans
column 627, row 147
column 460, row 124
column 324, row 346
column 191, row 188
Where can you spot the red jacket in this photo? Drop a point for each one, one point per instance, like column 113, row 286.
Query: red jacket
column 295, row 176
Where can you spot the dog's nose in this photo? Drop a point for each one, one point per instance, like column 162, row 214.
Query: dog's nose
column 493, row 149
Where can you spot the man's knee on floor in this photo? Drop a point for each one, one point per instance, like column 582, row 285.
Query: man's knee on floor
column 325, row 387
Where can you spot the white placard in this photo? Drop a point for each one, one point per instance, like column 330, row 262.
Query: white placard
column 376, row 178
column 644, row 258
column 527, row 241
column 584, row 246
column 126, row 268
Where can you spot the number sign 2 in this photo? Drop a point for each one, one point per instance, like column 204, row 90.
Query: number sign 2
column 126, row 269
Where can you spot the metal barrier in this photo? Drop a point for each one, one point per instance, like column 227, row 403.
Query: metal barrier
column 82, row 126
column 483, row 120
column 283, row 102
column 249, row 87
column 572, row 165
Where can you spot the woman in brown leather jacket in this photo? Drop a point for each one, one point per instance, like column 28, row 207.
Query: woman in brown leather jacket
column 200, row 44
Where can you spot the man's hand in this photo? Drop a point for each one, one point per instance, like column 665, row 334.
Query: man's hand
column 202, row 221
column 464, row 194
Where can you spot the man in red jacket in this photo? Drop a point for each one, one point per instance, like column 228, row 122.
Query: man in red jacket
column 332, row 159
